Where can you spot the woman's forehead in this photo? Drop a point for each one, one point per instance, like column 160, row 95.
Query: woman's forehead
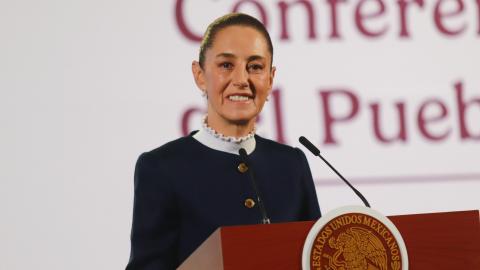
column 239, row 41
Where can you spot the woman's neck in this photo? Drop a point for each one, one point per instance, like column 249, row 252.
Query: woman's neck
column 213, row 139
column 236, row 130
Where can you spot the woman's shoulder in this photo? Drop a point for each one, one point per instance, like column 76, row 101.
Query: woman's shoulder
column 175, row 148
column 273, row 144
column 276, row 147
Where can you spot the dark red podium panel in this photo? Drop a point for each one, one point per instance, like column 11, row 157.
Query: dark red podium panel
column 439, row 241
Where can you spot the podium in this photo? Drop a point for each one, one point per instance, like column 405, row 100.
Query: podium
column 440, row 241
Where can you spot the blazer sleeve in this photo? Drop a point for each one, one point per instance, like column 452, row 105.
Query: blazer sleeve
column 310, row 201
column 154, row 234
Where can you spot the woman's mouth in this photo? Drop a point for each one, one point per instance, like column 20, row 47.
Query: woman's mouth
column 239, row 98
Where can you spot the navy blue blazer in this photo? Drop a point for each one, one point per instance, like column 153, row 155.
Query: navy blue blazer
column 185, row 190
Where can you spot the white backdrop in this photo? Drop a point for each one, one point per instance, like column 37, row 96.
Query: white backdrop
column 86, row 86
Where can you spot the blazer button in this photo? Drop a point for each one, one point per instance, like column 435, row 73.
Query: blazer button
column 242, row 167
column 249, row 203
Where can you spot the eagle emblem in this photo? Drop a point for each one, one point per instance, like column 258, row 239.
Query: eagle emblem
column 354, row 238
column 357, row 249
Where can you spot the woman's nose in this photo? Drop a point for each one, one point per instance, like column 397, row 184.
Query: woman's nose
column 240, row 78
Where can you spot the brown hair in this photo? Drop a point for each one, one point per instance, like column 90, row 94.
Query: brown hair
column 231, row 19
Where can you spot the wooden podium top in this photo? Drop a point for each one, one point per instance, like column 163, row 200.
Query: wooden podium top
column 437, row 241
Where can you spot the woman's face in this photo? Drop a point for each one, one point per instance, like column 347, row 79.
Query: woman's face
column 236, row 76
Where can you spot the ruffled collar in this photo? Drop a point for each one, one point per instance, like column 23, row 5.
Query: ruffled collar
column 215, row 140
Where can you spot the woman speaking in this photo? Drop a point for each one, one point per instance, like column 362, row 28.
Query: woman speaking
column 187, row 188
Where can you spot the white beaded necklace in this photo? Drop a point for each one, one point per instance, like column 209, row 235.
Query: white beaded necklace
column 226, row 138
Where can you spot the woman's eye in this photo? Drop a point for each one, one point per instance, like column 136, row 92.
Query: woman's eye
column 255, row 67
column 226, row 65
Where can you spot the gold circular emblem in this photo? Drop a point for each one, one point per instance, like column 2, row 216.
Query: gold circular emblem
column 356, row 241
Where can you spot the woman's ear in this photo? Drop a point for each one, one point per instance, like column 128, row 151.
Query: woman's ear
column 199, row 76
column 272, row 75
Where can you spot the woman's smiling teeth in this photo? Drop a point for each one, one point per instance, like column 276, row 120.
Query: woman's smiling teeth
column 238, row 98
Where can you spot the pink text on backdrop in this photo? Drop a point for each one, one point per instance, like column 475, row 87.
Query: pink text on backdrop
column 463, row 116
column 369, row 18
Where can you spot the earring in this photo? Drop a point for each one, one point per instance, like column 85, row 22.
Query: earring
column 204, row 94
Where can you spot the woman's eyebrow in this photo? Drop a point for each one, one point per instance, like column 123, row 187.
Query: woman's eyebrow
column 226, row 55
column 231, row 55
column 255, row 57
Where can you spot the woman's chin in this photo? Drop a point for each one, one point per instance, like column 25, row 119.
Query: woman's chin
column 242, row 118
